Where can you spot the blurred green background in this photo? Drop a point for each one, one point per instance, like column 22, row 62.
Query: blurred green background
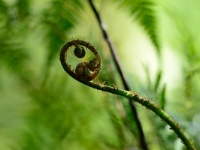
column 43, row 108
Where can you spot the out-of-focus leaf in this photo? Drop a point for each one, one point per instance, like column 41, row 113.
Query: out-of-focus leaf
column 158, row 78
column 23, row 7
column 3, row 7
column 14, row 56
column 163, row 97
column 145, row 13
column 58, row 20
column 188, row 82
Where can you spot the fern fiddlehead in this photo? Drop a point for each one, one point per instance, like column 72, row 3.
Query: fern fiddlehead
column 84, row 71
column 87, row 71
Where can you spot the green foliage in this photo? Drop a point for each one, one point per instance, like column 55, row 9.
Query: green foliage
column 162, row 97
column 143, row 10
column 41, row 107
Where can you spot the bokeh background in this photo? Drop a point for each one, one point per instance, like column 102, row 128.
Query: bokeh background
column 43, row 108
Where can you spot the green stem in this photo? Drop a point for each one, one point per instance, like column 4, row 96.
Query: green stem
column 128, row 94
column 150, row 105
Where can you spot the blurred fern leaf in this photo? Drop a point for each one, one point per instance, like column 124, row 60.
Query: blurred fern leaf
column 145, row 13
column 58, row 20
column 15, row 58
column 162, row 97
column 158, row 78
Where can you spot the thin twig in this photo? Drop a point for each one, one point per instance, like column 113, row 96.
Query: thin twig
column 126, row 86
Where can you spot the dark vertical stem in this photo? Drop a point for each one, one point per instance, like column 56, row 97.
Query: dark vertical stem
column 126, row 86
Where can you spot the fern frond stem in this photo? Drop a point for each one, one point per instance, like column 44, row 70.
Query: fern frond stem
column 93, row 66
column 149, row 105
column 126, row 86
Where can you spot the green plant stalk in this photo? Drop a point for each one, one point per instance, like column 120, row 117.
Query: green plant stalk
column 149, row 105
column 128, row 94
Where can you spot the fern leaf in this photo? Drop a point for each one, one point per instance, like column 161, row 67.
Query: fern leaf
column 158, row 79
column 145, row 13
column 163, row 97
column 58, row 20
column 14, row 56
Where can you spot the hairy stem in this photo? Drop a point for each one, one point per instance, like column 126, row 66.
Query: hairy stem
column 93, row 66
column 143, row 142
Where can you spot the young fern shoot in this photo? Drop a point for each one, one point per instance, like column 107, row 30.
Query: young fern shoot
column 87, row 71
column 84, row 71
